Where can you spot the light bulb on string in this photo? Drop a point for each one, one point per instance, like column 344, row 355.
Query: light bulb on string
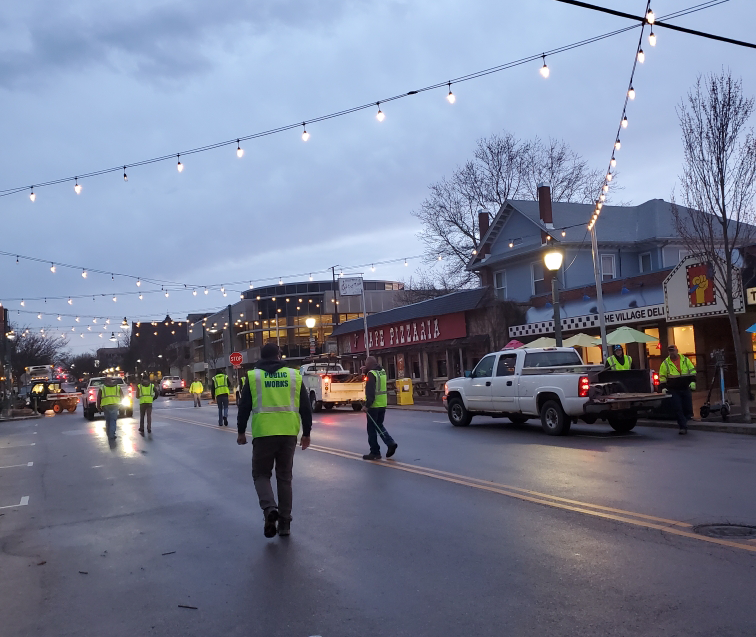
column 77, row 319
column 310, row 276
column 280, row 281
column 59, row 317
column 125, row 177
column 305, row 134
column 602, row 197
column 239, row 150
column 380, row 116
column 89, row 327
column 641, row 56
column 564, row 233
column 613, row 162
column 206, row 291
column 450, row 97
column 609, row 176
column 166, row 294
column 70, row 302
column 223, row 289
column 83, row 274
column 22, row 303
column 52, row 268
column 624, row 122
column 652, row 37
column 544, row 69
column 372, row 268
column 107, row 321
column 39, row 316
column 405, row 263
column 605, row 188
column 82, row 335
column 440, row 258
column 179, row 165
column 32, row 196
column 241, row 295
column 617, row 144
column 77, row 186
column 631, row 92
column 140, row 296
column 94, row 320
column 650, row 17
column 194, row 292
column 224, row 294
column 114, row 299
column 139, row 282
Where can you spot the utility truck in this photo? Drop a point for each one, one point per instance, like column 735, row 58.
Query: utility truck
column 329, row 384
column 551, row 384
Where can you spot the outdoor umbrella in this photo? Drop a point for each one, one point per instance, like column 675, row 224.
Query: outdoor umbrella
column 582, row 340
column 626, row 334
column 513, row 344
column 752, row 328
column 544, row 341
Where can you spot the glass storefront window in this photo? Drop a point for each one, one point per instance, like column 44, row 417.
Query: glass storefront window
column 652, row 349
column 684, row 337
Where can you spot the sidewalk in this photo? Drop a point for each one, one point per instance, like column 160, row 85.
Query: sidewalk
column 693, row 425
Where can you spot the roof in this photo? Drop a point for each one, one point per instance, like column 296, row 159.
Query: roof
column 447, row 304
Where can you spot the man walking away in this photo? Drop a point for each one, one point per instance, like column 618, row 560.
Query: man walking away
column 677, row 364
column 196, row 389
column 620, row 360
column 375, row 407
column 147, row 393
column 220, row 389
column 108, row 399
column 277, row 399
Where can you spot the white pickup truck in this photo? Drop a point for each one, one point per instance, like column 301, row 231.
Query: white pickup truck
column 329, row 384
column 554, row 385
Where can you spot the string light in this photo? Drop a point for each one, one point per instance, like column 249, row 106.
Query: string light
column 179, row 165
column 140, row 296
column 372, row 268
column 641, row 56
column 280, row 281
column 77, row 186
column 239, row 150
column 166, row 294
column 59, row 318
column 39, row 316
column 77, row 319
column 405, row 263
column 305, row 134
column 83, row 274
column 380, row 116
column 125, row 177
column 613, row 162
column 114, row 299
column 650, row 17
column 52, row 268
column 652, row 37
column 624, row 122
column 544, row 69
column 194, row 292
column 223, row 289
column 564, row 233
column 310, row 276
column 450, row 97
column 32, row 196
column 206, row 291
column 631, row 93
column 70, row 302
column 139, row 282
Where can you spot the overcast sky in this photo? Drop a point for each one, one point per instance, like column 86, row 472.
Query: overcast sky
column 86, row 85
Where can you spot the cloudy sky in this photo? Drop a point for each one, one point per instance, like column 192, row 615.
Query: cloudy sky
column 88, row 85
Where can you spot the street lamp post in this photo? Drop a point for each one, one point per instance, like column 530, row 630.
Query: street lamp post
column 310, row 323
column 553, row 261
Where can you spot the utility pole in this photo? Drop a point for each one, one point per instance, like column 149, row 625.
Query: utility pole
column 599, row 294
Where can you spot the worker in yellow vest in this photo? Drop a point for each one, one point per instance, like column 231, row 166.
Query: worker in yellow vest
column 277, row 399
column 196, row 389
column 620, row 360
column 220, row 388
column 108, row 400
column 376, row 399
column 677, row 364
column 146, row 393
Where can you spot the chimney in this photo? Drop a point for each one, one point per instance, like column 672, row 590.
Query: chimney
column 483, row 227
column 544, row 205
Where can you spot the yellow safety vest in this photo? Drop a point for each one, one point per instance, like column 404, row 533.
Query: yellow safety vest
column 614, row 363
column 146, row 394
column 275, row 402
column 196, row 387
column 110, row 395
column 668, row 368
column 221, row 386
column 381, row 396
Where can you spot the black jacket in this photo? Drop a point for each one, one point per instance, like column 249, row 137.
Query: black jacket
column 245, row 404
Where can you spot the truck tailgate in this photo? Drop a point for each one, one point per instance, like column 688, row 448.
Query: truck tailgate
column 624, row 401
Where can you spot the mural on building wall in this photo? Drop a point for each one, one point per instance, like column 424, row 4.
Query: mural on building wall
column 700, row 285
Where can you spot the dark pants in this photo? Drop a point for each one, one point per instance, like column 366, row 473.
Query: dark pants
column 682, row 405
column 268, row 451
column 145, row 409
column 222, row 401
column 375, row 428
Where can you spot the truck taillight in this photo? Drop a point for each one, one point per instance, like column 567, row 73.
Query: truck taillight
column 584, row 384
column 183, row 384
column 364, row 378
column 131, row 392
column 655, row 379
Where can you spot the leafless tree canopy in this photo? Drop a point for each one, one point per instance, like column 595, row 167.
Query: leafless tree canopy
column 35, row 349
column 503, row 167
column 717, row 186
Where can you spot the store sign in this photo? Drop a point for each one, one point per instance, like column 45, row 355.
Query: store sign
column 751, row 296
column 409, row 333
column 690, row 292
column 350, row 287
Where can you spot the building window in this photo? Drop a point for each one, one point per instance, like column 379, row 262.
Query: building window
column 441, row 368
column 500, row 284
column 539, row 279
column 645, row 262
column 607, row 267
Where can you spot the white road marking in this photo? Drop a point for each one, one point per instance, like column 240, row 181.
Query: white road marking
column 23, row 503
column 10, row 466
column 97, row 466
column 11, row 446
column 443, row 422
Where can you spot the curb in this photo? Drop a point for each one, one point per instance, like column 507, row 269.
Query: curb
column 723, row 428
column 14, row 419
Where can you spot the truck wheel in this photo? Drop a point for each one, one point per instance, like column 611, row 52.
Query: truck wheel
column 553, row 419
column 315, row 404
column 517, row 419
column 589, row 419
column 129, row 413
column 72, row 409
column 622, row 424
column 458, row 414
column 88, row 414
column 328, row 406
column 357, row 406
column 57, row 408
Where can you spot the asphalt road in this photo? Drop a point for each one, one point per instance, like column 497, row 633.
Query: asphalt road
column 495, row 529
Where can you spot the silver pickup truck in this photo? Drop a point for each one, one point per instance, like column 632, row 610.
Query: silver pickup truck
column 554, row 385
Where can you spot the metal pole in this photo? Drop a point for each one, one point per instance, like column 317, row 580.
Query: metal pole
column 278, row 339
column 599, row 294
column 364, row 320
column 557, row 313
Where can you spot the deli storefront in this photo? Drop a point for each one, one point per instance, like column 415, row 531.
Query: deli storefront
column 423, row 341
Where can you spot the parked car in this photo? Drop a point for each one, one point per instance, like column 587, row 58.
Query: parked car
column 89, row 398
column 171, row 385
column 554, row 385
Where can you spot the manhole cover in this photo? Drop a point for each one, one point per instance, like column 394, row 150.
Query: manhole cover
column 735, row 531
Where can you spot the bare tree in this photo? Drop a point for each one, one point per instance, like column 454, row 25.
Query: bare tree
column 33, row 348
column 717, row 188
column 503, row 167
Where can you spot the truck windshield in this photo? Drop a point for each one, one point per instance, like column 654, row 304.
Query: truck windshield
column 551, row 359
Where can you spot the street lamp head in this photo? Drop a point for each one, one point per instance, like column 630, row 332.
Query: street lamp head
column 310, row 322
column 553, row 260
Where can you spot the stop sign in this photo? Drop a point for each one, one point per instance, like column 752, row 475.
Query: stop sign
column 236, row 359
